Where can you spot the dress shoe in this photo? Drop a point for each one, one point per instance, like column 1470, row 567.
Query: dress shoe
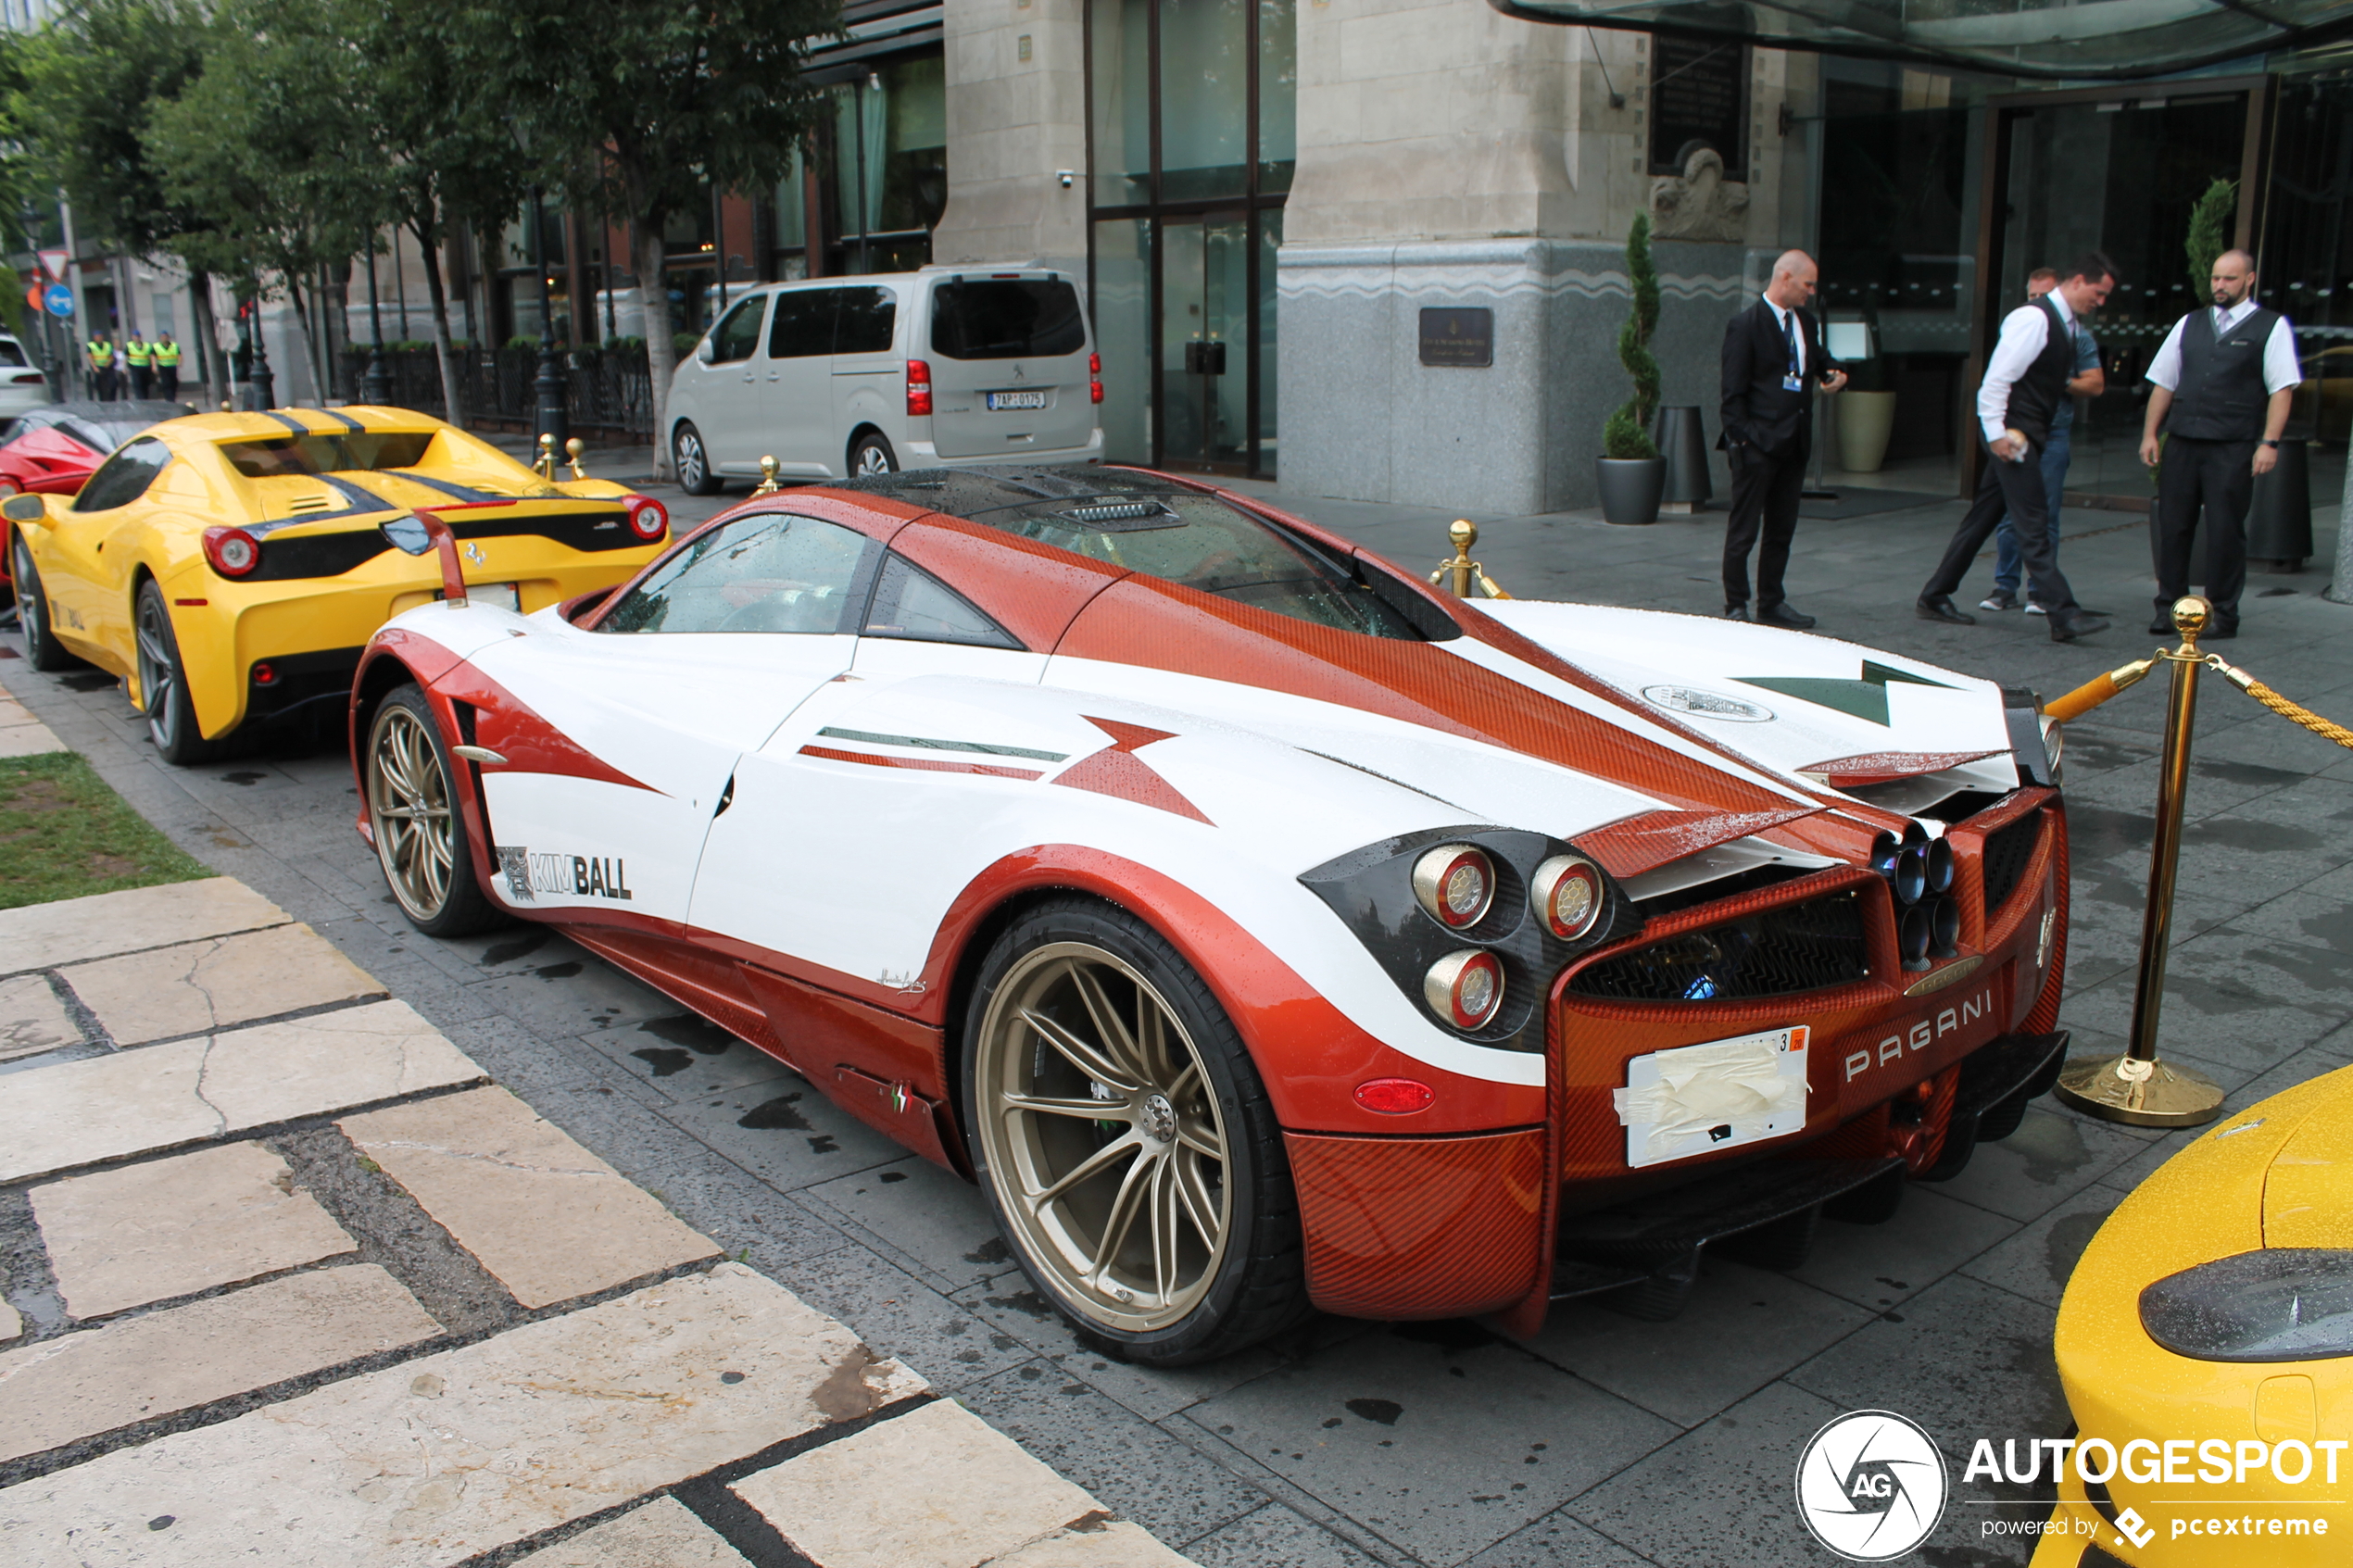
column 1782, row 615
column 2162, row 626
column 1940, row 607
column 2082, row 623
column 1736, row 612
column 2220, row 628
column 2002, row 598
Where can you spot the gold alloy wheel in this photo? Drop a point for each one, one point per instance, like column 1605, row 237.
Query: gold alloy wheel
column 408, row 804
column 1104, row 1136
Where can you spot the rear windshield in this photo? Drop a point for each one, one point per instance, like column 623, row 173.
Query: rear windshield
column 10, row 354
column 363, row 452
column 1006, row 319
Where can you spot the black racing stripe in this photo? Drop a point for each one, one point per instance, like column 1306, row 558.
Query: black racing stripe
column 289, row 422
column 350, row 425
column 363, row 503
column 461, row 492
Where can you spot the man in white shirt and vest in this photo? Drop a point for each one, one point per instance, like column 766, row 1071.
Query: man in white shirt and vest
column 2025, row 382
column 2219, row 389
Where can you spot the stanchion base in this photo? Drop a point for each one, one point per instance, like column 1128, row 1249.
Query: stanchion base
column 2146, row 1094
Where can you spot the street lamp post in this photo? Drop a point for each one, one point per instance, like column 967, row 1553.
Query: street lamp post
column 52, row 368
column 377, row 383
column 553, row 420
column 258, row 376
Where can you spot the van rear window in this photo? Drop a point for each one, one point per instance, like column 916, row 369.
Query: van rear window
column 1006, row 319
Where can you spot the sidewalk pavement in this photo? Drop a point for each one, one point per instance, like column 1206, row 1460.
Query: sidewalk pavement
column 289, row 1280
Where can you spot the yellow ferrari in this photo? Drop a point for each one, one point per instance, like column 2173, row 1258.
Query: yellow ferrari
column 2205, row 1345
column 231, row 567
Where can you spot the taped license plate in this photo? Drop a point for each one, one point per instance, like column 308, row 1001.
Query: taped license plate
column 1720, row 1094
column 506, row 595
column 1015, row 400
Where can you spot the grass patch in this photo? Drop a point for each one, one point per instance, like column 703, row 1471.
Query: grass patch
column 64, row 834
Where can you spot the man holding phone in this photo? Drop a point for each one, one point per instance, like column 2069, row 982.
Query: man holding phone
column 1772, row 360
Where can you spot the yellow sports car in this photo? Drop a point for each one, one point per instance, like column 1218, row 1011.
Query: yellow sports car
column 2206, row 1343
column 232, row 568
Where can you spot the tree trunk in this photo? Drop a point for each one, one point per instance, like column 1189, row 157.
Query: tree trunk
column 336, row 308
column 309, row 337
column 661, row 356
column 215, row 362
column 442, row 352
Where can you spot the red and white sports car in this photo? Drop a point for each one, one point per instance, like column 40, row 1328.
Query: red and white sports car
column 1260, row 928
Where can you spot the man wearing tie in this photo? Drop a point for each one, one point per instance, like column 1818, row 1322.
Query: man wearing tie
column 2220, row 388
column 1771, row 355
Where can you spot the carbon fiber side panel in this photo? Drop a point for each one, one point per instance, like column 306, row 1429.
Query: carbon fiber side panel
column 1420, row 1227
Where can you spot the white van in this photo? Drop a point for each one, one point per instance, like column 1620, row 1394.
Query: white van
column 882, row 371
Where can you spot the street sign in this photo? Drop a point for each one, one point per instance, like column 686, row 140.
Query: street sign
column 58, row 300
column 54, row 263
column 33, row 297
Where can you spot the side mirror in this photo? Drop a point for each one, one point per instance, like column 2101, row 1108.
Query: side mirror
column 21, row 507
column 707, row 351
column 421, row 530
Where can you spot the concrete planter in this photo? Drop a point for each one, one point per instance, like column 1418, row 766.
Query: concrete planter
column 1630, row 487
column 1865, row 420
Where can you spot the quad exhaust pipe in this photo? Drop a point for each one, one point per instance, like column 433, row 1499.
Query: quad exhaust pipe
column 1920, row 874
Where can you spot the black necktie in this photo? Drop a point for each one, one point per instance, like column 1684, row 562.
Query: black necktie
column 1789, row 331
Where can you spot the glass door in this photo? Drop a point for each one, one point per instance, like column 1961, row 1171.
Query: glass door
column 1204, row 342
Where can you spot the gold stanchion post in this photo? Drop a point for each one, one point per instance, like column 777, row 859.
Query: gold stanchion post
column 2136, row 1087
column 546, row 466
column 1462, row 534
column 767, row 485
column 574, row 450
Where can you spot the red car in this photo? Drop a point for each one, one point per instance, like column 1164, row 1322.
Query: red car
column 52, row 450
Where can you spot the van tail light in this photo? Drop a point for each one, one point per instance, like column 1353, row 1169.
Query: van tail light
column 647, row 518
column 918, row 389
column 1094, row 378
column 232, row 551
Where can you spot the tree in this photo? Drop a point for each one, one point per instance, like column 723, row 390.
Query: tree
column 2209, row 233
column 1627, row 434
column 639, row 110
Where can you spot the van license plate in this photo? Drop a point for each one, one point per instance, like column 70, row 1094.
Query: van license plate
column 1015, row 400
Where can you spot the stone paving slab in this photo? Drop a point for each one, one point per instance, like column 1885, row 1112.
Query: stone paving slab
column 159, row 1097
column 78, row 1385
column 455, row 1453
column 28, row 738
column 952, row 1493
column 10, row 1325
column 1116, row 1545
column 663, row 1533
column 549, row 1219
column 217, row 982
column 171, row 1227
column 32, row 1017
column 41, row 935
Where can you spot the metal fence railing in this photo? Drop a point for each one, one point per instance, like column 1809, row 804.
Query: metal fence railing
column 609, row 389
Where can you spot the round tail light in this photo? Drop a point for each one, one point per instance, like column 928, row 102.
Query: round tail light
column 232, row 551
column 1464, row 988
column 1455, row 884
column 1566, row 895
column 647, row 518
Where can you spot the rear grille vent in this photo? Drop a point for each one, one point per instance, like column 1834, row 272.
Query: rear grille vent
column 2007, row 850
column 311, row 504
column 1791, row 947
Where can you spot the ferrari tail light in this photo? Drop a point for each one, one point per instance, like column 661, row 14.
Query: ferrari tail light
column 1395, row 1096
column 1566, row 895
column 265, row 675
column 647, row 518
column 918, row 389
column 1464, row 988
column 232, row 551
column 1455, row 884
column 1094, row 378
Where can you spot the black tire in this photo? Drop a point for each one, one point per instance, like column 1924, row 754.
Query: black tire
column 42, row 649
column 421, row 844
column 690, row 460
column 163, row 685
column 870, row 454
column 1250, row 1282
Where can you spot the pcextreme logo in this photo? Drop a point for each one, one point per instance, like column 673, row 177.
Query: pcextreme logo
column 1871, row 1486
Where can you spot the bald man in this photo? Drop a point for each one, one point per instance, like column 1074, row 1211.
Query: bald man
column 1772, row 361
column 2220, row 386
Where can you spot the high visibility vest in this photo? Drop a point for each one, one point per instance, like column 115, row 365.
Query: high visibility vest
column 137, row 353
column 102, row 355
column 167, row 357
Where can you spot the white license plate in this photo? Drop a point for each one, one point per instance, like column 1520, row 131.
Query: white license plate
column 1720, row 1094
column 1015, row 400
column 506, row 595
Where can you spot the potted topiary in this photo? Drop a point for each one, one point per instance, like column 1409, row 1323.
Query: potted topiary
column 1866, row 416
column 1631, row 472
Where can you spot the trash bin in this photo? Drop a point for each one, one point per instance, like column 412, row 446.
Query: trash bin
column 2279, row 522
column 1683, row 441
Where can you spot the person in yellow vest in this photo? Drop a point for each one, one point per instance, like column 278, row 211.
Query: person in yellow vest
column 166, row 368
column 102, row 370
column 139, row 358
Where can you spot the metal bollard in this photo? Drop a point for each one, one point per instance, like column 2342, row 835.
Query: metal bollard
column 2136, row 1087
column 767, row 485
column 572, row 449
column 1463, row 533
column 546, row 465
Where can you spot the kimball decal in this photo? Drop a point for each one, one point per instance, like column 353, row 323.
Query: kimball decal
column 1921, row 1034
column 578, row 876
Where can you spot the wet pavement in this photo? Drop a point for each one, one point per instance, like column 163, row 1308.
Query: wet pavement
column 1604, row 1440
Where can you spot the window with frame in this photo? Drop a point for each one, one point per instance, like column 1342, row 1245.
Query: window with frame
column 911, row 603
column 737, row 335
column 771, row 571
column 124, row 477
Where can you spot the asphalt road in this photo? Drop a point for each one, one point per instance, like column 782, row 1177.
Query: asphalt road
column 1605, row 1441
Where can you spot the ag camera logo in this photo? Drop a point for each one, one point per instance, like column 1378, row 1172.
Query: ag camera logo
column 1871, row 1486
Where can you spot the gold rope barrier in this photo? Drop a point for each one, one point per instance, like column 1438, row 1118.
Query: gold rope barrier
column 1465, row 571
column 2294, row 712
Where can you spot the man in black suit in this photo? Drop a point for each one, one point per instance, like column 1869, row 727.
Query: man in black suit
column 1772, row 357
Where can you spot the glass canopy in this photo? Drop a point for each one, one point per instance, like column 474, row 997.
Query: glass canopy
column 2090, row 40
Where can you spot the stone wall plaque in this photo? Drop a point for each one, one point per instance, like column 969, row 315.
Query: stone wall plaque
column 1698, row 98
column 1459, row 337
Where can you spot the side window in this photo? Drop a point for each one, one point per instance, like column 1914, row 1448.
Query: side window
column 865, row 323
column 911, row 603
column 124, row 477
column 737, row 335
column 803, row 325
column 768, row 573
